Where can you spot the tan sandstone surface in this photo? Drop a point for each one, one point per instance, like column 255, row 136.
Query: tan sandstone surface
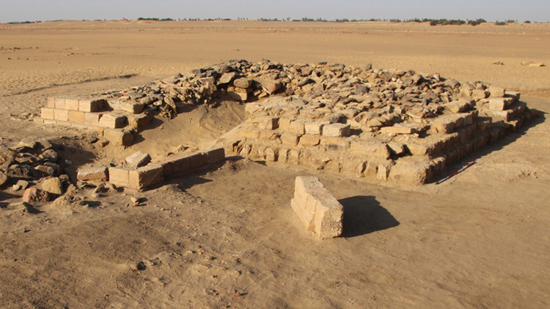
column 228, row 236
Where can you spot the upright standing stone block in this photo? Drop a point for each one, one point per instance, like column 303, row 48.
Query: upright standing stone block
column 317, row 208
column 47, row 113
column 71, row 104
column 215, row 155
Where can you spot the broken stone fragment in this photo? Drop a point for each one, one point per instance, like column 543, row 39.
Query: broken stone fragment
column 34, row 195
column 53, row 185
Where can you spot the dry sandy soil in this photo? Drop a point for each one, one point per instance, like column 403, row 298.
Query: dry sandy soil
column 227, row 237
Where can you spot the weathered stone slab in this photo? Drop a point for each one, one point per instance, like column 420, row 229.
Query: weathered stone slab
column 336, row 130
column 94, row 174
column 131, row 107
column 76, row 116
column 119, row 176
column 137, row 159
column 61, row 114
column 92, row 105
column 317, row 208
column 71, row 104
column 145, row 177
column 92, row 118
column 215, row 155
column 113, row 121
column 119, row 137
column 47, row 113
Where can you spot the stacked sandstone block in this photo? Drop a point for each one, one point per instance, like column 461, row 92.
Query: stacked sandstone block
column 408, row 150
column 317, row 208
column 95, row 114
column 139, row 174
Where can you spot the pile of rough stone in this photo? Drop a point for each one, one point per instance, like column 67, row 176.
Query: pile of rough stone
column 34, row 168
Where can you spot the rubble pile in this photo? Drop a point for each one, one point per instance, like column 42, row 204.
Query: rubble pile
column 34, row 168
column 382, row 125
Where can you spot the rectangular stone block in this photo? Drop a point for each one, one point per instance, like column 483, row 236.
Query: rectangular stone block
column 289, row 139
column 400, row 129
column 336, row 130
column 370, row 148
column 297, row 127
column 92, row 118
column 317, row 208
column 145, row 177
column 139, row 122
column 47, row 113
column 61, row 114
column 119, row 176
column 314, row 128
column 76, row 116
column 215, row 155
column 179, row 164
column 269, row 135
column 50, row 102
column 309, row 140
column 119, row 137
column 71, row 104
column 198, row 160
column 113, row 121
column 95, row 174
column 131, row 107
column 137, row 159
column 59, row 103
column 92, row 105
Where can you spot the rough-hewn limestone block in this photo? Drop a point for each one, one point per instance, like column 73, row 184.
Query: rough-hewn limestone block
column 119, row 176
column 95, row 174
column 47, row 113
column 335, row 143
column 113, row 121
column 317, row 208
column 59, row 103
column 137, row 159
column 370, row 148
column 139, row 122
column 413, row 172
column 297, row 127
column 131, row 107
column 71, row 104
column 145, row 177
column 314, row 128
column 290, row 139
column 92, row 105
column 336, row 130
column 309, row 140
column 61, row 114
column 400, row 129
column 92, row 118
column 119, row 137
column 76, row 116
column 215, row 155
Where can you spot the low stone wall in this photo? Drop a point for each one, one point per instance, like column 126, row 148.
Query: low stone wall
column 138, row 174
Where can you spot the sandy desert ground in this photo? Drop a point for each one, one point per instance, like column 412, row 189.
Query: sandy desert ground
column 227, row 237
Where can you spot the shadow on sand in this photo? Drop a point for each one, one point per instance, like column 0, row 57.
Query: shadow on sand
column 364, row 215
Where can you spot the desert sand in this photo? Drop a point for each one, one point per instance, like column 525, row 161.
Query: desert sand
column 227, row 236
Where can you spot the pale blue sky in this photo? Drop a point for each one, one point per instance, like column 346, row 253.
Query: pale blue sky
column 491, row 10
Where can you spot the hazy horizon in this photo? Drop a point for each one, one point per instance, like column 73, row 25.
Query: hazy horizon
column 491, row 10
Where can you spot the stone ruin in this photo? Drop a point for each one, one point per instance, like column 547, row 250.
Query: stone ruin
column 370, row 124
